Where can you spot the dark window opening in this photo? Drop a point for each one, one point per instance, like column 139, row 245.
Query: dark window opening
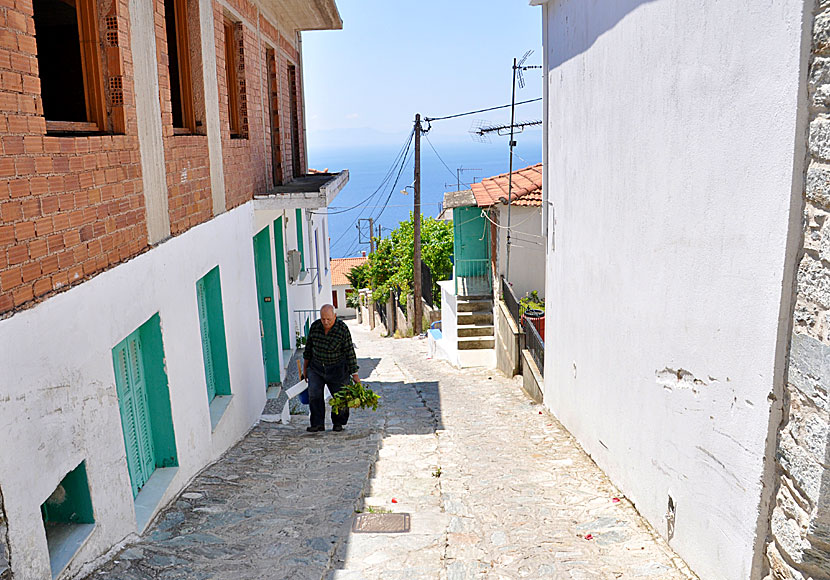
column 178, row 54
column 60, row 61
column 295, row 120
column 334, row 298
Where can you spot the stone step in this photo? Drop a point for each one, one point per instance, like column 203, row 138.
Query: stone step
column 475, row 297
column 476, row 330
column 475, row 306
column 474, row 318
column 475, row 343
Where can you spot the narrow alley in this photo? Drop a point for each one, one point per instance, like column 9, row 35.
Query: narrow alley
column 494, row 486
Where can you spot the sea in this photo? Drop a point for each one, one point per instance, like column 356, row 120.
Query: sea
column 372, row 190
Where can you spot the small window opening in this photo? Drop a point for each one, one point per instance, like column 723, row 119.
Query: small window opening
column 178, row 58
column 235, row 82
column 294, row 110
column 68, row 518
column 69, row 65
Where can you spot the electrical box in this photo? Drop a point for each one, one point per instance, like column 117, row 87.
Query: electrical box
column 293, row 265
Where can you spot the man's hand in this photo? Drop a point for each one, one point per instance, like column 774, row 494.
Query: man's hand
column 356, row 378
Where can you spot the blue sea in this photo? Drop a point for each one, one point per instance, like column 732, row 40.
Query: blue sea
column 369, row 165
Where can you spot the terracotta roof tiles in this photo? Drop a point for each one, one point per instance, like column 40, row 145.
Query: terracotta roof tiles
column 527, row 188
column 342, row 266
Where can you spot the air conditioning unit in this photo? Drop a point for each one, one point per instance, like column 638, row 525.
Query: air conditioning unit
column 293, row 265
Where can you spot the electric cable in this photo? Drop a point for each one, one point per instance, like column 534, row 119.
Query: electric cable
column 430, row 119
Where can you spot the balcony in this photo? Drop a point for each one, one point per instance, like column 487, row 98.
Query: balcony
column 315, row 190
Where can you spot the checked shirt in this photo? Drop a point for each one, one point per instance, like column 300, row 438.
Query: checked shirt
column 332, row 348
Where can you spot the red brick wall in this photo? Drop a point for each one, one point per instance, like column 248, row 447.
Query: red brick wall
column 186, row 157
column 70, row 207
column 247, row 162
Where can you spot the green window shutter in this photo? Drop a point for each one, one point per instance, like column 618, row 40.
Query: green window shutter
column 300, row 245
column 127, row 409
column 204, row 325
column 142, row 407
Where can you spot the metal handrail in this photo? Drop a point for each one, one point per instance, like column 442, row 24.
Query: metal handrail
column 535, row 344
column 511, row 301
column 474, row 276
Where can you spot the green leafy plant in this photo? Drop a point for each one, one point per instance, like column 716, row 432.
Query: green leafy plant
column 531, row 301
column 354, row 396
column 353, row 300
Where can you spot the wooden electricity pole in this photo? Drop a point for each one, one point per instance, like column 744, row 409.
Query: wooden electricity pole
column 371, row 236
column 416, row 258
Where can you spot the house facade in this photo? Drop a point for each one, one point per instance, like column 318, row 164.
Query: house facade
column 162, row 245
column 685, row 202
column 340, row 285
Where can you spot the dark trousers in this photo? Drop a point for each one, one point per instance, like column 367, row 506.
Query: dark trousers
column 333, row 376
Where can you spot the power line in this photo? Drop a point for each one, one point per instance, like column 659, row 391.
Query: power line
column 444, row 162
column 430, row 119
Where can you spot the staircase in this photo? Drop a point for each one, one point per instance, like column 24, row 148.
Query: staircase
column 476, row 336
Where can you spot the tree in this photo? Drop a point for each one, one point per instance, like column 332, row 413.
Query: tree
column 391, row 264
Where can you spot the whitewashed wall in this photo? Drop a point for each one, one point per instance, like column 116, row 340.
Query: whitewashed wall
column 527, row 249
column 674, row 152
column 342, row 310
column 58, row 403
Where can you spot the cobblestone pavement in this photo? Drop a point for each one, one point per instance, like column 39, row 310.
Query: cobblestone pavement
column 494, row 490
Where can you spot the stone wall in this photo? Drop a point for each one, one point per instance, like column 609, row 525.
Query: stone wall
column 799, row 546
column 5, row 566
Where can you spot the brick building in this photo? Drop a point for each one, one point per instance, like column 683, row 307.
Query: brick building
column 162, row 246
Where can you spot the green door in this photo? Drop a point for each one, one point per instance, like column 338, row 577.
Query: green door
column 265, row 301
column 471, row 245
column 212, row 326
column 135, row 410
column 279, row 256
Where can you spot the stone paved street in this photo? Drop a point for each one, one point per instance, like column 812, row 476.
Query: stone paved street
column 495, row 489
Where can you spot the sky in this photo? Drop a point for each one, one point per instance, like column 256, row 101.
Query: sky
column 394, row 58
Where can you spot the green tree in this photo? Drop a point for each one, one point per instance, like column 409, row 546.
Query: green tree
column 391, row 266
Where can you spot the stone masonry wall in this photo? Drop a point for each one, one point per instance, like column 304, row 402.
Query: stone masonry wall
column 799, row 546
column 5, row 565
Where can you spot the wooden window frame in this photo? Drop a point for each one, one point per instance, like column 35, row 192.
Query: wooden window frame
column 294, row 120
column 86, row 12
column 185, row 74
column 232, row 80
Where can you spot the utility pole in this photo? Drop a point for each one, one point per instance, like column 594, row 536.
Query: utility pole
column 416, row 257
column 510, row 174
column 371, row 235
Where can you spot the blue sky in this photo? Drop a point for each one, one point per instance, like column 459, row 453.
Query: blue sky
column 394, row 58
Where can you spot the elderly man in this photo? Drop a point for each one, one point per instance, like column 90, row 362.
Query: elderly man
column 328, row 360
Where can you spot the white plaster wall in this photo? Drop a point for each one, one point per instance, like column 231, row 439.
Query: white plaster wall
column 672, row 136
column 449, row 324
column 527, row 249
column 58, row 403
column 342, row 309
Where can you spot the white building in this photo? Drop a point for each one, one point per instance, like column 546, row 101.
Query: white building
column 685, row 300
column 340, row 285
column 171, row 250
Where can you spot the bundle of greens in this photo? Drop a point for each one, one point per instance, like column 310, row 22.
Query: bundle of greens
column 355, row 396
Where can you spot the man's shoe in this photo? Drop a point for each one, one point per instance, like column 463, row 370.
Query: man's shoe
column 316, row 428
column 337, row 428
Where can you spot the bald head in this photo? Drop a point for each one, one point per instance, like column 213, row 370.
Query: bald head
column 327, row 316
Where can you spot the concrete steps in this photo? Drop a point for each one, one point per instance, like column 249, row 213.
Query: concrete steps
column 476, row 330
column 480, row 318
column 476, row 343
column 476, row 333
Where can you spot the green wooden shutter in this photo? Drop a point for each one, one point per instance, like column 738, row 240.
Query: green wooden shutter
column 300, row 245
column 142, row 407
column 127, row 408
column 204, row 324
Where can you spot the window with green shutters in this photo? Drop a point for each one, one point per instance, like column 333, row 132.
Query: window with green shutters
column 212, row 326
column 135, row 410
column 144, row 403
column 300, row 245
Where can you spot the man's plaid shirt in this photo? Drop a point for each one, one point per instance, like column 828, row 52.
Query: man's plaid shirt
column 332, row 348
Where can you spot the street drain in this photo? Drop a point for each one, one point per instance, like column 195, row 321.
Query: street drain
column 381, row 523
